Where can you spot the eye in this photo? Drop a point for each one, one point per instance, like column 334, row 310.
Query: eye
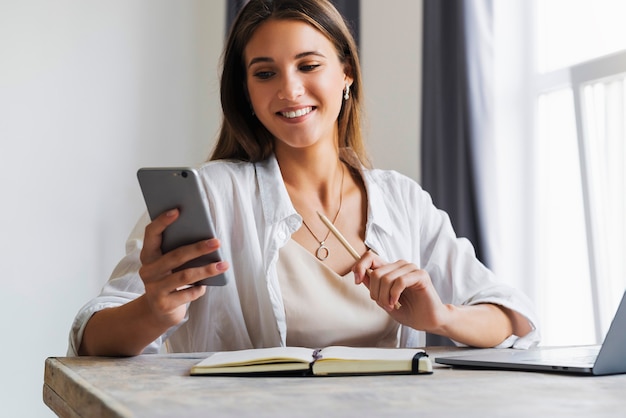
column 263, row 75
column 309, row 67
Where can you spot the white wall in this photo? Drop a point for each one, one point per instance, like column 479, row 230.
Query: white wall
column 391, row 56
column 92, row 90
column 89, row 92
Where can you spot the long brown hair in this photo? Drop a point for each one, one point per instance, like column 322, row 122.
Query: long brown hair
column 242, row 136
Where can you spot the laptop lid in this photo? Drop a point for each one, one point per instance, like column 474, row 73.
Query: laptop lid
column 596, row 360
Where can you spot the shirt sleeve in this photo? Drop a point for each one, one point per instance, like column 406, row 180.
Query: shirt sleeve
column 461, row 279
column 123, row 286
column 513, row 299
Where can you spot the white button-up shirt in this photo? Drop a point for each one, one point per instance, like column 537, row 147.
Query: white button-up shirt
column 254, row 218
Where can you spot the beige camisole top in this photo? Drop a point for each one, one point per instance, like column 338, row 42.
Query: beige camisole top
column 323, row 308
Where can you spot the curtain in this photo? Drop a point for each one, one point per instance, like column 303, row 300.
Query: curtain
column 351, row 12
column 456, row 116
column 456, row 113
column 232, row 8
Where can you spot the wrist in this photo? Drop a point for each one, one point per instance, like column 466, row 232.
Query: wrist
column 444, row 320
column 146, row 313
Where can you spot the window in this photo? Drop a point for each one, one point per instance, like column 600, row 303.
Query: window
column 573, row 55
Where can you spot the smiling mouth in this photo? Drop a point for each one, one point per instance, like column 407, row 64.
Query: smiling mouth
column 297, row 113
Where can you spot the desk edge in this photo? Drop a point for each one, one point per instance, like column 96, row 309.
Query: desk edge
column 76, row 394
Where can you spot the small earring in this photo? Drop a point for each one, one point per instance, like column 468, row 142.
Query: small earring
column 346, row 94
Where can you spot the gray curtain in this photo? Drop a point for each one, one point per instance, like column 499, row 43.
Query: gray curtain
column 455, row 113
column 232, row 8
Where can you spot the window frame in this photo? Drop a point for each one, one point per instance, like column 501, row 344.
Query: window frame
column 576, row 77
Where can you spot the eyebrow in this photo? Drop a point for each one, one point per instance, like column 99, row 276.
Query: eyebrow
column 298, row 56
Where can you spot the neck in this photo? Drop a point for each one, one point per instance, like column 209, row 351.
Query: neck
column 311, row 172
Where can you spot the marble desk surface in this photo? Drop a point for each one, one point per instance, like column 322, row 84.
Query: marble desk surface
column 160, row 386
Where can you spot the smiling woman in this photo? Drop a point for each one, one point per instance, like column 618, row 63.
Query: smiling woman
column 242, row 135
column 290, row 147
column 295, row 86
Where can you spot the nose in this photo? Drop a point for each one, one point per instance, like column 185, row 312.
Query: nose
column 291, row 88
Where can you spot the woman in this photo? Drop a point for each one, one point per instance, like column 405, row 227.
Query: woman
column 291, row 146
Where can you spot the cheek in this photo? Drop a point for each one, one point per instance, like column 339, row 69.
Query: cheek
column 260, row 104
column 335, row 88
column 334, row 94
column 260, row 98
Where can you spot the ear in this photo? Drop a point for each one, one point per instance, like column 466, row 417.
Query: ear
column 347, row 71
column 348, row 80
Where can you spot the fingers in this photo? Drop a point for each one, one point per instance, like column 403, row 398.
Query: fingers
column 152, row 237
column 156, row 266
column 189, row 276
column 362, row 267
column 389, row 281
column 163, row 266
column 169, row 308
column 168, row 296
column 386, row 281
column 164, row 302
column 167, row 292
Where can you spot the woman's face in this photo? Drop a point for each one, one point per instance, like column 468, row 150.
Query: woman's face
column 295, row 82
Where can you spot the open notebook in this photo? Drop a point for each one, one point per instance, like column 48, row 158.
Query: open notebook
column 608, row 358
column 327, row 361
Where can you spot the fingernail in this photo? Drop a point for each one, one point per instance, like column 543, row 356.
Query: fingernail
column 171, row 212
column 221, row 266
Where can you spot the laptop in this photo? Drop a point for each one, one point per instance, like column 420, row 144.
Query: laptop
column 608, row 358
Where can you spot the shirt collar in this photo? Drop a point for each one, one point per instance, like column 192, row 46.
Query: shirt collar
column 377, row 204
column 277, row 203
column 377, row 210
column 274, row 197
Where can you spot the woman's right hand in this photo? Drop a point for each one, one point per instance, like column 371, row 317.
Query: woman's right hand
column 167, row 293
column 126, row 330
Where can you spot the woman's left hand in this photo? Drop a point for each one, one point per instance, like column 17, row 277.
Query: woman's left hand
column 405, row 283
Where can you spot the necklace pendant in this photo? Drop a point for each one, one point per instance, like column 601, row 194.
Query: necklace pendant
column 322, row 252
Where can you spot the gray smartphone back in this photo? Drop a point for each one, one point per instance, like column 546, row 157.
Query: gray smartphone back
column 180, row 187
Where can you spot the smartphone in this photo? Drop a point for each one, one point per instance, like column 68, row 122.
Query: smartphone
column 166, row 188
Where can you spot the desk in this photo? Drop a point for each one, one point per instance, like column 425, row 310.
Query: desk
column 160, row 385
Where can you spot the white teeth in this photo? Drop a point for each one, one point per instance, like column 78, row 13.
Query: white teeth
column 297, row 113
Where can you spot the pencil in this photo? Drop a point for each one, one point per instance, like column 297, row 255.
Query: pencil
column 345, row 243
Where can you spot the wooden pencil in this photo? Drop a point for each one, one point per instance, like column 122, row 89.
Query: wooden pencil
column 345, row 243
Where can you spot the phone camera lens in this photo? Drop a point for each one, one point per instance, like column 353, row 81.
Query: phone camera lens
column 184, row 174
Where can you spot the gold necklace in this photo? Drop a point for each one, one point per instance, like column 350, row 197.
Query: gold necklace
column 323, row 252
